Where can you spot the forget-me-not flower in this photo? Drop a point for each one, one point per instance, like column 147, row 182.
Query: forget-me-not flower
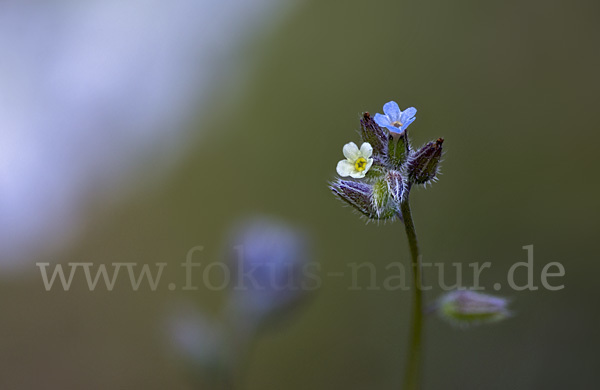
column 269, row 260
column 395, row 120
column 357, row 162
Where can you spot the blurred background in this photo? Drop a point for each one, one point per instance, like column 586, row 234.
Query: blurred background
column 133, row 131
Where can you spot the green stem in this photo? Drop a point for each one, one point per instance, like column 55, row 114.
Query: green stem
column 413, row 367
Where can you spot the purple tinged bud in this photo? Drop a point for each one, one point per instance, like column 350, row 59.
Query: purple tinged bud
column 396, row 186
column 356, row 194
column 423, row 165
column 375, row 135
column 466, row 308
column 370, row 200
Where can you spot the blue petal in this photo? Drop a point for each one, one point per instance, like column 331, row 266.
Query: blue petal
column 392, row 110
column 408, row 113
column 408, row 117
column 407, row 122
column 382, row 120
column 394, row 129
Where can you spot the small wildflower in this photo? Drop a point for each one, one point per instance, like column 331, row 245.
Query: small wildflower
column 357, row 162
column 394, row 120
column 470, row 308
column 387, row 164
column 269, row 258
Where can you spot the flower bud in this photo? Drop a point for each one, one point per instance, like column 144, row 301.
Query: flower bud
column 396, row 185
column 356, row 194
column 471, row 308
column 375, row 135
column 371, row 201
column 380, row 197
column 424, row 163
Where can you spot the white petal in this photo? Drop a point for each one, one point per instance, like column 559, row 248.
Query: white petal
column 366, row 150
column 345, row 168
column 369, row 163
column 358, row 174
column 351, row 151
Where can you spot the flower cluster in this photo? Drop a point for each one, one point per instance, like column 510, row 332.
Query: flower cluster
column 385, row 163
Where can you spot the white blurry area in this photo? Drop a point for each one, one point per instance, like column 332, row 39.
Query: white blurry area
column 90, row 90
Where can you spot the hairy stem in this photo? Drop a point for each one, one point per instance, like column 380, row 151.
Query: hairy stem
column 413, row 367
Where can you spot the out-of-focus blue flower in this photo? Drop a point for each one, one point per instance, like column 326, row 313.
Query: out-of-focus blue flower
column 395, row 120
column 195, row 338
column 269, row 272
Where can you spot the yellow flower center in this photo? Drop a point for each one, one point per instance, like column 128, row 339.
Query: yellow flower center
column 360, row 164
column 397, row 124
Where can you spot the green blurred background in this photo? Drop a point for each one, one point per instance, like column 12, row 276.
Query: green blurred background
column 511, row 86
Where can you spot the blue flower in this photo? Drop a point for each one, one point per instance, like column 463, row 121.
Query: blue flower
column 269, row 259
column 395, row 120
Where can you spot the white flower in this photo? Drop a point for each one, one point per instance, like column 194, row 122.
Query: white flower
column 357, row 162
